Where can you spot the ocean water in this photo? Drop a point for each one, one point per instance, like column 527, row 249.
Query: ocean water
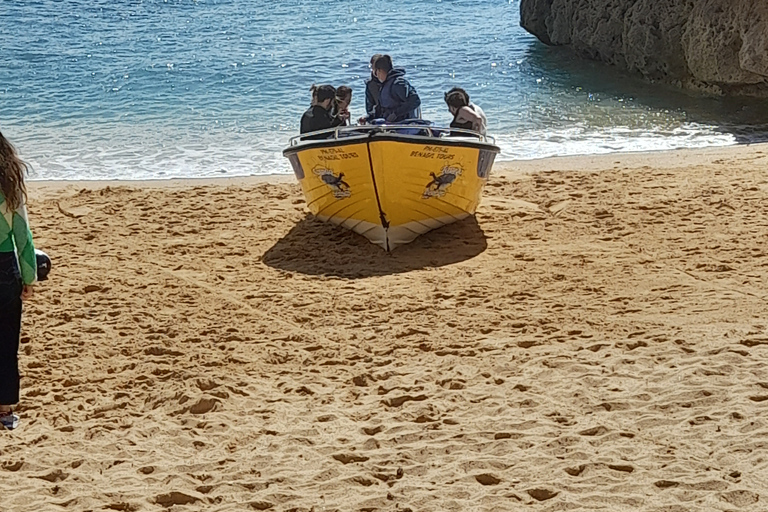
column 143, row 89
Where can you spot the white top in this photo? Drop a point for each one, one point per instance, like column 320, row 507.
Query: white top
column 484, row 121
column 472, row 114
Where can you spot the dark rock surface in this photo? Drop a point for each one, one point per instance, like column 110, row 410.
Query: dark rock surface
column 720, row 46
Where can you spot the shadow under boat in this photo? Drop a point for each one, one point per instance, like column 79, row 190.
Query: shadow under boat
column 392, row 182
column 317, row 248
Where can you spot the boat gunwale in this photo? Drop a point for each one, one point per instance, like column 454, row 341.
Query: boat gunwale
column 376, row 136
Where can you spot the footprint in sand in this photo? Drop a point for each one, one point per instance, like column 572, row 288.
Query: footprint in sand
column 596, row 431
column 741, row 498
column 372, row 431
column 487, row 479
column 54, row 476
column 542, row 494
column 175, row 498
column 13, row 466
column 576, row 471
column 261, row 505
column 348, row 458
column 203, row 406
column 122, row 506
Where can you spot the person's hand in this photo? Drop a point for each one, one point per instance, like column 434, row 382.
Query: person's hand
column 391, row 117
column 344, row 114
column 362, row 120
column 26, row 292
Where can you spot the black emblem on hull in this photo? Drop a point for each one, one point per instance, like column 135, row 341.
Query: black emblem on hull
column 340, row 188
column 441, row 182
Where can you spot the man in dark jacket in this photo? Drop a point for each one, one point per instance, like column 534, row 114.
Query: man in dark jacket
column 398, row 99
column 372, row 94
column 318, row 116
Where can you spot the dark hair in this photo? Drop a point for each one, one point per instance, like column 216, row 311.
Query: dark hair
column 12, row 169
column 375, row 58
column 343, row 92
column 457, row 97
column 323, row 92
column 384, row 63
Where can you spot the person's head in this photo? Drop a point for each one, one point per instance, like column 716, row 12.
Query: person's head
column 343, row 97
column 456, row 98
column 382, row 67
column 12, row 170
column 323, row 95
column 373, row 63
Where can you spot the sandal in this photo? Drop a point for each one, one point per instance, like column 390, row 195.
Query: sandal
column 9, row 420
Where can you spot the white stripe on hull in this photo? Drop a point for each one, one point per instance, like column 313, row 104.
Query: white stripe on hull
column 394, row 236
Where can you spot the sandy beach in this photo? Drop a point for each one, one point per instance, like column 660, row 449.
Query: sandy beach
column 596, row 339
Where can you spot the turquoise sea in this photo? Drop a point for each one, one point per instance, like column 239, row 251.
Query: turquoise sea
column 137, row 89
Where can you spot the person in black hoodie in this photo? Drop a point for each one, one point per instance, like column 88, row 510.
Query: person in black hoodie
column 318, row 115
column 398, row 100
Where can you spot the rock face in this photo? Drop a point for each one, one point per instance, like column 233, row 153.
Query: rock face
column 715, row 45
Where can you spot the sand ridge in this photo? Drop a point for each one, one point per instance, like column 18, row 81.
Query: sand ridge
column 593, row 340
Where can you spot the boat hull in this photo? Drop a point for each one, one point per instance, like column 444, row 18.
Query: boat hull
column 392, row 188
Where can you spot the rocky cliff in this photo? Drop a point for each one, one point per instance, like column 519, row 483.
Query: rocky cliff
column 716, row 45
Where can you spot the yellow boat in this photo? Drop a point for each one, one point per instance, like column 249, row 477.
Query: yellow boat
column 392, row 183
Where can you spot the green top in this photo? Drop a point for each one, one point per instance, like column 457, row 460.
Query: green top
column 16, row 236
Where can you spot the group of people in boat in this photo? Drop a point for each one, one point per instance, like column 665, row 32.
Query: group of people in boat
column 389, row 98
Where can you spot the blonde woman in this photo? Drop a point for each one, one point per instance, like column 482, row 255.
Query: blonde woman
column 18, row 270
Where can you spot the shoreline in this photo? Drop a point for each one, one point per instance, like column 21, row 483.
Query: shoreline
column 674, row 158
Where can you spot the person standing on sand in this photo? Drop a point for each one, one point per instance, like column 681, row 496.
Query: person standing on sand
column 18, row 270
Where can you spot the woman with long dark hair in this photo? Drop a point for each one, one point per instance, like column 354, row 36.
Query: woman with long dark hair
column 18, row 270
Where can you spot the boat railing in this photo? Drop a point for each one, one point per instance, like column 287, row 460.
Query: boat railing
column 341, row 132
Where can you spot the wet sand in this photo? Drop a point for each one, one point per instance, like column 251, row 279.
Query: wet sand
column 596, row 339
